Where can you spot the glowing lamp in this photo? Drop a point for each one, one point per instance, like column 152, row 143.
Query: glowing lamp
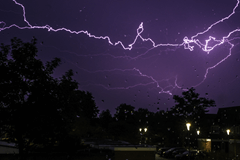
column 228, row 131
column 198, row 132
column 188, row 126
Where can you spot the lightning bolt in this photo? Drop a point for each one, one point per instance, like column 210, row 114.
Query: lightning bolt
column 187, row 44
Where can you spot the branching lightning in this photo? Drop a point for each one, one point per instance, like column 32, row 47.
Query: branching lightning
column 187, row 44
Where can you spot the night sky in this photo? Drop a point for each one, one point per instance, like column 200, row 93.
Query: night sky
column 140, row 73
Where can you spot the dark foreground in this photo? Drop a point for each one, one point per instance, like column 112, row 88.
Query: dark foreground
column 53, row 156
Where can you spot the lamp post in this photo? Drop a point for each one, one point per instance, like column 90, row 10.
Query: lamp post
column 198, row 132
column 141, row 130
column 228, row 132
column 188, row 128
column 145, row 130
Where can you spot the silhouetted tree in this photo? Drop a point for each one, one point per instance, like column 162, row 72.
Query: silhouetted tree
column 190, row 104
column 189, row 108
column 25, row 83
column 35, row 108
column 125, row 112
column 105, row 118
column 124, row 125
column 144, row 117
column 160, row 125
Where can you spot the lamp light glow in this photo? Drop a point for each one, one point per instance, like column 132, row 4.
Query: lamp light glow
column 228, row 131
column 188, row 126
column 198, row 132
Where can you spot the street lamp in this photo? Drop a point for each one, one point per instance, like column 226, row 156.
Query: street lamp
column 145, row 129
column 188, row 128
column 198, row 132
column 228, row 131
column 142, row 133
column 140, row 130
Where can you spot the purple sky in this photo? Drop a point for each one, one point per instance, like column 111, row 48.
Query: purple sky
column 145, row 75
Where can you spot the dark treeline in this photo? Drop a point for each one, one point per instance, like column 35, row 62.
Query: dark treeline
column 38, row 111
column 163, row 127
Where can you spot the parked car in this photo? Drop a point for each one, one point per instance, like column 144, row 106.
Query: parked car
column 161, row 150
column 178, row 151
column 169, row 152
column 185, row 155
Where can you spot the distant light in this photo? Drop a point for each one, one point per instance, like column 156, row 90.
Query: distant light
column 145, row 129
column 208, row 139
column 140, row 129
column 228, row 131
column 188, row 126
column 198, row 132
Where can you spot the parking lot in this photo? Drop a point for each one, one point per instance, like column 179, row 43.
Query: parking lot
column 178, row 153
column 157, row 157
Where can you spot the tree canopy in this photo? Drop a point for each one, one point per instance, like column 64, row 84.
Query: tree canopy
column 124, row 112
column 37, row 109
column 190, row 104
column 190, row 108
